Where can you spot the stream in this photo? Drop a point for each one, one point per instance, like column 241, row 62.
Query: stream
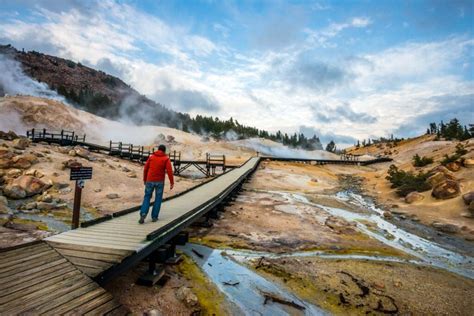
column 243, row 287
column 425, row 250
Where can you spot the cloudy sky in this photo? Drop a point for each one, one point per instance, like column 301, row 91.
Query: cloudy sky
column 345, row 70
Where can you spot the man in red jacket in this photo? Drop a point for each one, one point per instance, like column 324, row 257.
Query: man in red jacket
column 154, row 179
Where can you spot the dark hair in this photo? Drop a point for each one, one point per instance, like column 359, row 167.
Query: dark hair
column 162, row 148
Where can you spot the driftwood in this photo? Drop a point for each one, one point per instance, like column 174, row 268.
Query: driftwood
column 280, row 300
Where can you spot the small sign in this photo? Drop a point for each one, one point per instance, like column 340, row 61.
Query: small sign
column 81, row 173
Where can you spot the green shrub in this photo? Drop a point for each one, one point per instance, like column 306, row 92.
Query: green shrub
column 460, row 151
column 406, row 181
column 421, row 161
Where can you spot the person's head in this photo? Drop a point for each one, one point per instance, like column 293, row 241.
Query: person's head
column 162, row 148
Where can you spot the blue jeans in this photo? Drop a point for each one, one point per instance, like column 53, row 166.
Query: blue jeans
column 149, row 187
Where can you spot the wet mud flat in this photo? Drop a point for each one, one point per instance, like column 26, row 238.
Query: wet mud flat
column 334, row 249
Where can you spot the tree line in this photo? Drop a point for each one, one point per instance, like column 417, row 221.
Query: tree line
column 101, row 104
column 450, row 131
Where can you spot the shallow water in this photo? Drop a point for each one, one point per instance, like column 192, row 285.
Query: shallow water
column 247, row 295
column 388, row 233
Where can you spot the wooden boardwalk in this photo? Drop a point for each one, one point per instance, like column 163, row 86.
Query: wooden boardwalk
column 36, row 279
column 97, row 248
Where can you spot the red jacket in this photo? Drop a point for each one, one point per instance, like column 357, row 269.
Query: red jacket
column 155, row 167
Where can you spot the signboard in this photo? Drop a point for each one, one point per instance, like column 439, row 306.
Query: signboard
column 81, row 173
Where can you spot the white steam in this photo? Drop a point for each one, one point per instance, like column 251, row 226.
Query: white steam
column 13, row 81
column 269, row 148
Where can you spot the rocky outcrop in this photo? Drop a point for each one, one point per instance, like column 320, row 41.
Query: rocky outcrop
column 468, row 197
column 24, row 161
column 25, row 186
column 446, row 228
column 413, row 197
column 453, row 166
column 185, row 295
column 446, row 190
column 71, row 163
column 439, row 177
column 82, row 152
column 468, row 163
column 10, row 135
column 6, row 156
column 21, row 143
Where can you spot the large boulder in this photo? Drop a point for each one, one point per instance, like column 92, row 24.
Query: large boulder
column 468, row 197
column 446, row 190
column 453, row 166
column 468, row 163
column 21, row 143
column 6, row 156
column 441, row 169
column 25, row 186
column 24, row 161
column 438, row 178
column 14, row 192
column 4, row 209
column 413, row 197
column 446, row 228
column 10, row 135
column 82, row 152
column 71, row 163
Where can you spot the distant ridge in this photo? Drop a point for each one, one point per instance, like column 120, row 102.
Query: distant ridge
column 101, row 94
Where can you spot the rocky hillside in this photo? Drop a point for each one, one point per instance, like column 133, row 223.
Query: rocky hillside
column 107, row 96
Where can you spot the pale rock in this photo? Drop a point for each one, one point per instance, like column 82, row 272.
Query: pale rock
column 14, row 173
column 82, row 152
column 468, row 163
column 468, row 197
column 453, row 166
column 185, row 295
column 112, row 196
column 21, row 143
column 14, row 192
column 97, row 190
column 446, row 190
column 125, row 169
column 446, row 228
column 6, row 158
column 29, row 206
column 4, row 209
column 413, row 197
column 28, row 184
column 72, row 153
column 387, row 215
column 45, row 206
column 132, row 175
column 21, row 226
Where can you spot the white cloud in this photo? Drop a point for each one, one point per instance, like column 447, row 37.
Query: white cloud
column 393, row 86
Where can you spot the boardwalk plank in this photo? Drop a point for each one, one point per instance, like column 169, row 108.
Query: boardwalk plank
column 91, row 304
column 104, row 308
column 103, row 250
column 28, row 267
column 33, row 270
column 24, row 283
column 62, row 300
column 76, row 302
column 90, row 255
column 51, row 282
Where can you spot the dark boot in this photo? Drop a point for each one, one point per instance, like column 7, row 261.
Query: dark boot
column 142, row 219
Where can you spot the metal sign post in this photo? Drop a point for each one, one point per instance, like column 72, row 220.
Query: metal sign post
column 79, row 174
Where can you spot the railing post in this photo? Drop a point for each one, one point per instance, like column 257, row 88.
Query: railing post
column 32, row 134
column 44, row 132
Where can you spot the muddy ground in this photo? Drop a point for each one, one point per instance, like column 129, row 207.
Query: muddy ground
column 262, row 219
